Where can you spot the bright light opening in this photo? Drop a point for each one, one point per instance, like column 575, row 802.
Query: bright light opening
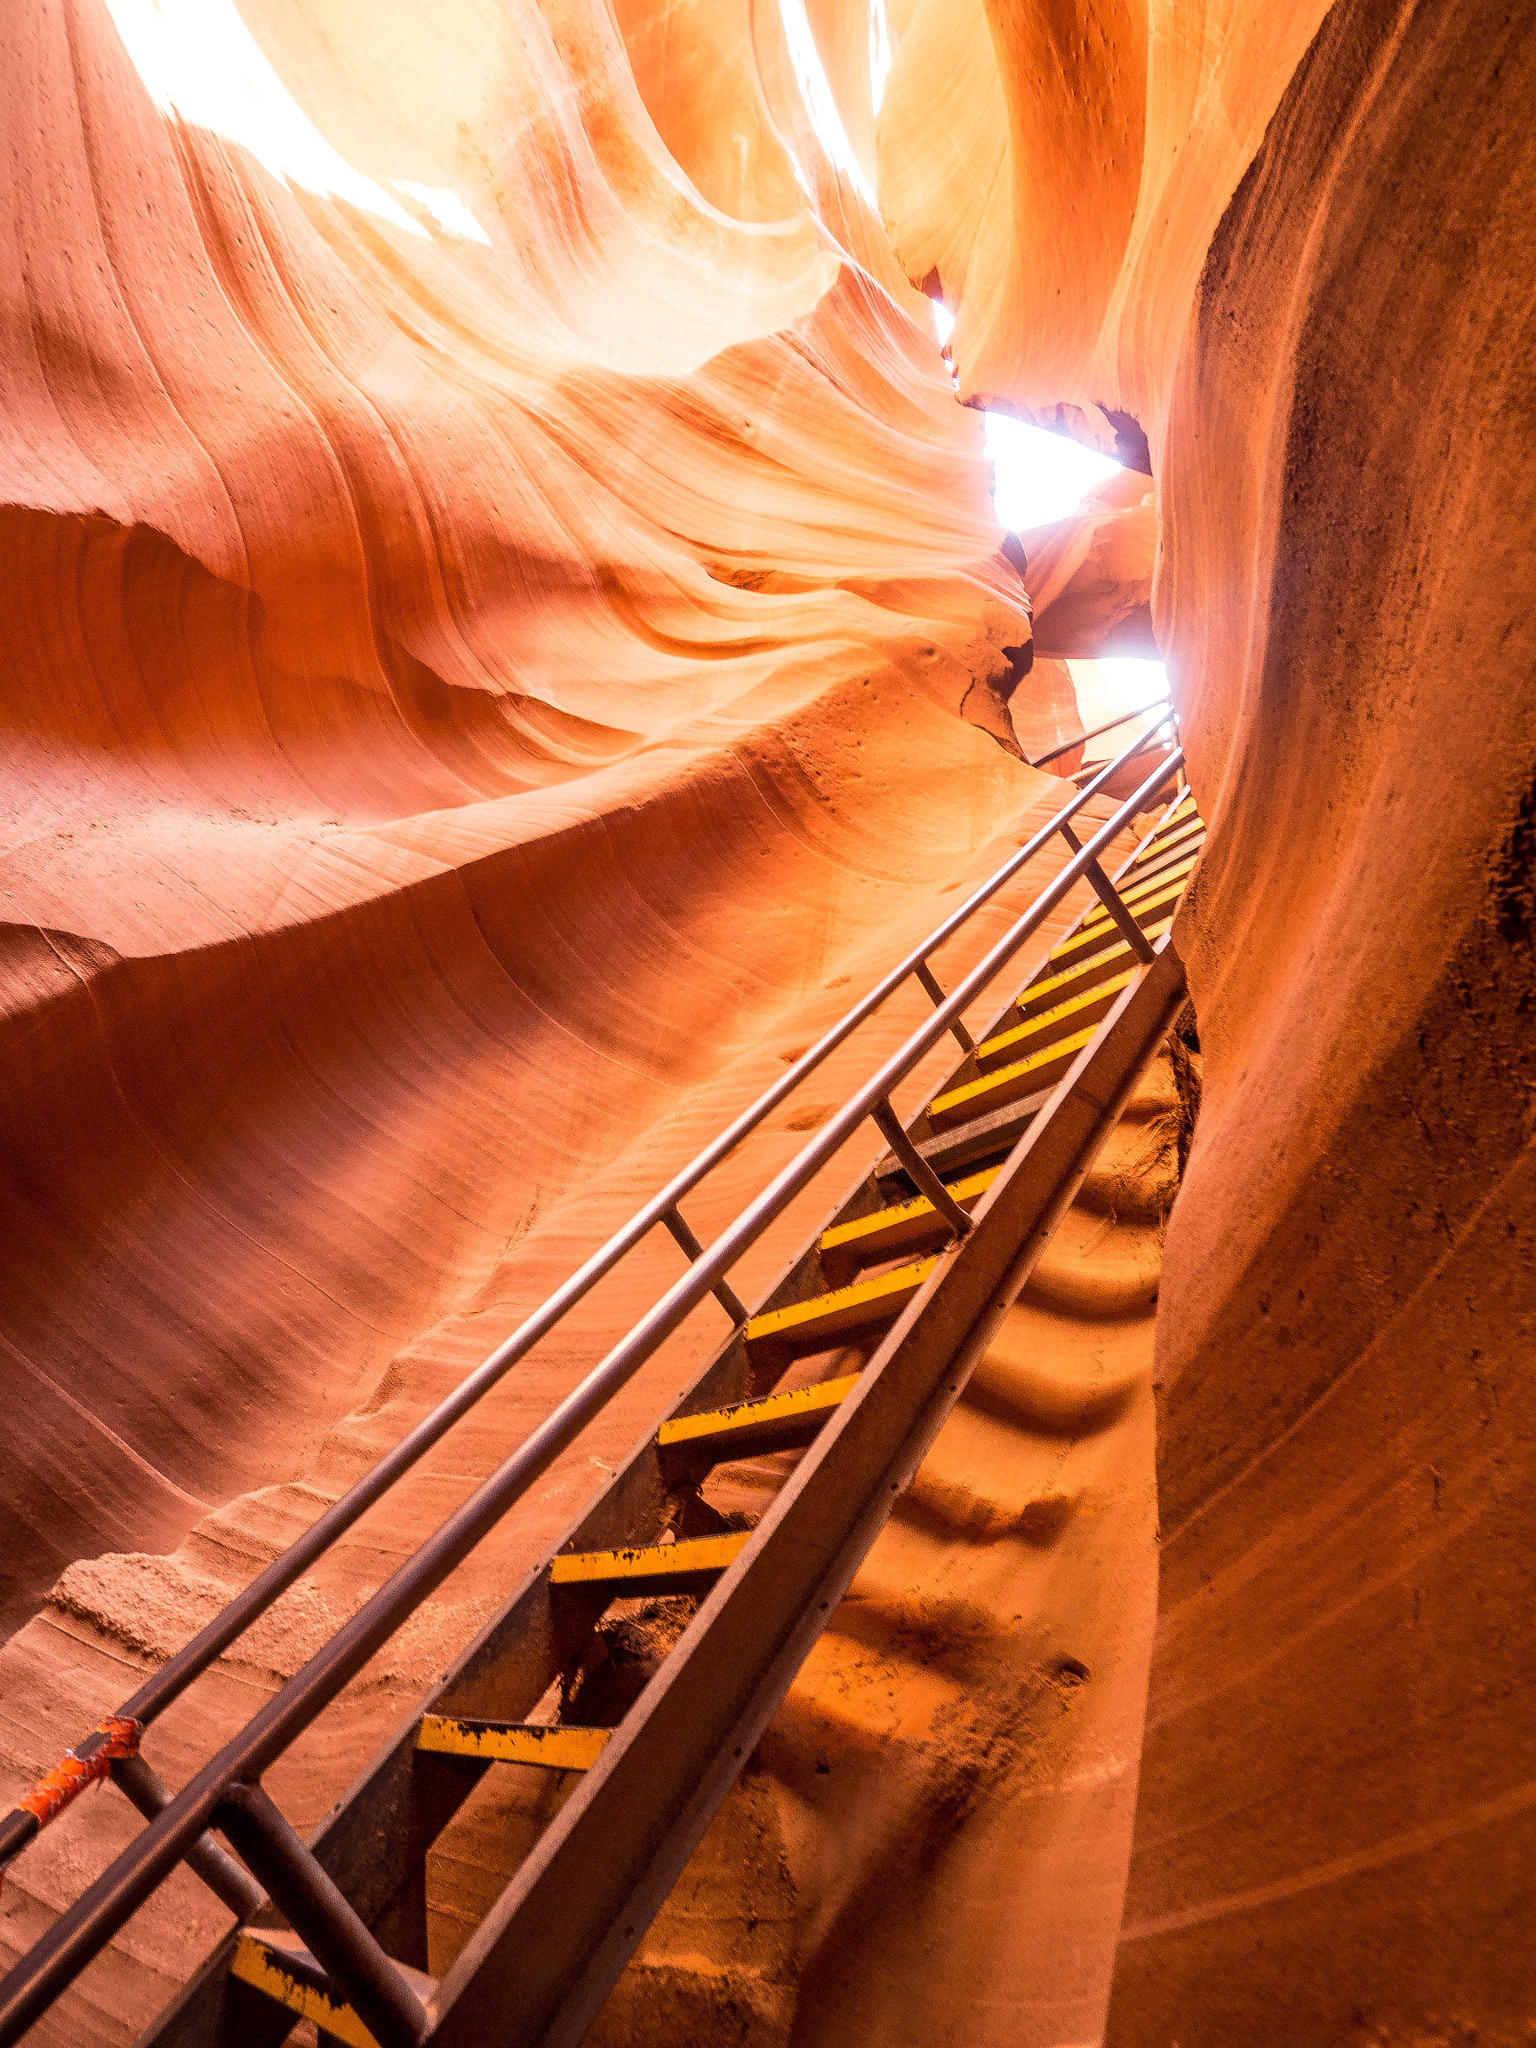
column 199, row 61
column 1114, row 685
column 879, row 51
column 1039, row 477
column 944, row 323
column 817, row 94
column 447, row 209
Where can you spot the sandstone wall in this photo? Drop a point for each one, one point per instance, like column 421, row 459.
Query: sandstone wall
column 1338, row 1809
column 435, row 665
column 486, row 675
column 1322, row 319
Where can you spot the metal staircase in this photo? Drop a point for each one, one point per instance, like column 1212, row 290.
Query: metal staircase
column 853, row 1361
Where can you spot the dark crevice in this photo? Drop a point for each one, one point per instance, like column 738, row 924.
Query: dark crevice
column 1514, row 875
column 1184, row 1047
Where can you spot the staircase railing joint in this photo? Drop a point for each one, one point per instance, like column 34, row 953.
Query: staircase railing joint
column 321, row 1914
column 235, row 1887
column 930, row 983
column 693, row 1251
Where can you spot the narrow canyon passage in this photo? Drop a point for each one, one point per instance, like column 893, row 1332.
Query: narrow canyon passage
column 545, row 547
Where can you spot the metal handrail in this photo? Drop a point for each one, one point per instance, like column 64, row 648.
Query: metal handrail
column 1124, row 719
column 87, row 1926
column 158, row 1692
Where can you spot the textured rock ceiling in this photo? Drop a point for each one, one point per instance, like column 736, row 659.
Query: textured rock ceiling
column 503, row 616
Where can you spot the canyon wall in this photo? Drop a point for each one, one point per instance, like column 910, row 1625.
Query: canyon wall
column 1330, row 349
column 505, row 629
column 1338, row 1814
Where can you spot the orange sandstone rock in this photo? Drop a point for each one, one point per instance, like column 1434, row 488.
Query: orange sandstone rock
column 1320, row 319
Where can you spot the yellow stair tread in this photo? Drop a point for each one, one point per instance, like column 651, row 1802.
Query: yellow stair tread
column 1184, row 808
column 901, row 1212
column 520, row 1742
column 1188, row 826
column 256, row 1963
column 1094, row 928
column 1179, row 869
column 977, row 1091
column 1038, row 989
column 648, row 1560
column 745, row 1415
column 1033, row 1026
column 1176, row 860
column 1164, row 842
column 1165, row 859
column 781, row 1322
column 1181, row 814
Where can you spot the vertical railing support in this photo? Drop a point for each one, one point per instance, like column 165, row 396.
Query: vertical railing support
column 1113, row 902
column 927, row 1181
column 322, row 1915
column 925, row 975
column 693, row 1251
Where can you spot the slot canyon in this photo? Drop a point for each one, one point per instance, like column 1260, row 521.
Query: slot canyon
column 507, row 634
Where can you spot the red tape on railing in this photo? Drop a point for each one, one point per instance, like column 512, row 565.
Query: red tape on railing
column 71, row 1774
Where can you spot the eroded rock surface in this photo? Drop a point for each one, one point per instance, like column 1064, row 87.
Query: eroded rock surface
column 1321, row 318
column 439, row 657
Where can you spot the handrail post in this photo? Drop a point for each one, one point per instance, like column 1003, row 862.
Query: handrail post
column 1113, row 902
column 928, row 1182
column 693, row 1251
column 930, row 983
column 323, row 1917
